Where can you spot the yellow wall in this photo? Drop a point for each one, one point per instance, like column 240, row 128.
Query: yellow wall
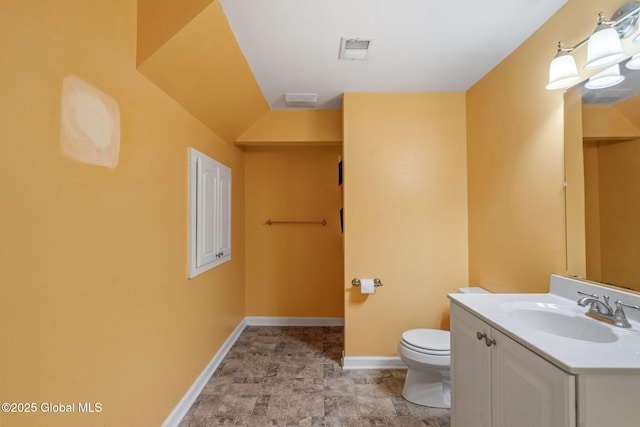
column 291, row 169
column 405, row 206
column 618, row 209
column 295, row 127
column 591, row 213
column 159, row 20
column 95, row 305
column 575, row 174
column 293, row 269
column 515, row 160
column 203, row 69
column 606, row 122
column 610, row 155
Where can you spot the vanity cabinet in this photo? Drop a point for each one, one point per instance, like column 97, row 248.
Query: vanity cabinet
column 497, row 382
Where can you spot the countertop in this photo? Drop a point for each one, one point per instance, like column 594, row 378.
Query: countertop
column 572, row 355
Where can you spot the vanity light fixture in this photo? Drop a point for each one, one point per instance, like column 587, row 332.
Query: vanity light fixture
column 603, row 47
column 563, row 71
column 607, row 78
column 634, row 62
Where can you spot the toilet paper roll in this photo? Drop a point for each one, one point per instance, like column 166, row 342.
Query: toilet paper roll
column 366, row 286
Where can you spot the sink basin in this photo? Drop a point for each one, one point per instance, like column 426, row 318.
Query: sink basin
column 555, row 327
column 554, row 320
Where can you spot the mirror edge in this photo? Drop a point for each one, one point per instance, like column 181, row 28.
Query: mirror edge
column 576, row 257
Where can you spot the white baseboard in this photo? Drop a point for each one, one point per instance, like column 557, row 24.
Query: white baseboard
column 293, row 321
column 372, row 362
column 192, row 394
column 178, row 413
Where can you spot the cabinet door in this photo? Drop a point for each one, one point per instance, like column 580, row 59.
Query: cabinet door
column 470, row 371
column 206, row 210
column 209, row 213
column 528, row 391
column 224, row 213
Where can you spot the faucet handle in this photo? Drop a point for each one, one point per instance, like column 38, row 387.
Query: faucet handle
column 605, row 297
column 619, row 317
column 621, row 304
column 588, row 295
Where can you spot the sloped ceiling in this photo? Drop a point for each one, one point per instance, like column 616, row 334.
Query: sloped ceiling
column 618, row 122
column 231, row 67
column 159, row 20
column 200, row 65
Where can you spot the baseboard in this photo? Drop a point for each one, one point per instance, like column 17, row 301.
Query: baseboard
column 293, row 321
column 178, row 413
column 372, row 362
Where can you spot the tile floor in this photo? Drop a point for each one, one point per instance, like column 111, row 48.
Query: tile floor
column 291, row 376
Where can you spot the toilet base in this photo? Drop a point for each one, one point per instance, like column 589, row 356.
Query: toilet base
column 427, row 388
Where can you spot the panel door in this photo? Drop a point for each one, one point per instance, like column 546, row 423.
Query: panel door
column 207, row 216
column 224, row 213
column 527, row 390
column 470, row 370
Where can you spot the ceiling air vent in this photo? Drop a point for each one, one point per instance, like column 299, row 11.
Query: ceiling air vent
column 354, row 48
column 300, row 99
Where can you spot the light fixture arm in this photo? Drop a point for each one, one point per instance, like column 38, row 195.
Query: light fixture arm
column 604, row 49
column 561, row 48
column 629, row 11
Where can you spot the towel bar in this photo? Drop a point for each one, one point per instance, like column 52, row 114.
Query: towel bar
column 270, row 222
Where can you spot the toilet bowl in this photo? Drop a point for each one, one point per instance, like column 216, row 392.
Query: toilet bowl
column 427, row 354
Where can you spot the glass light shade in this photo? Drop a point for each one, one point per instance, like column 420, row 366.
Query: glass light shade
column 607, row 78
column 604, row 48
column 563, row 72
column 634, row 62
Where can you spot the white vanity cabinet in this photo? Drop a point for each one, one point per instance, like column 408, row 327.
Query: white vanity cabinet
column 497, row 382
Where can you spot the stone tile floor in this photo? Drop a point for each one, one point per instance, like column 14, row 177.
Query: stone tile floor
column 291, row 376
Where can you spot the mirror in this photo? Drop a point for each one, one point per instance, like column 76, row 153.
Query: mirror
column 602, row 160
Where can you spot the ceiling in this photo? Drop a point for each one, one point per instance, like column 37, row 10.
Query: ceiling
column 292, row 46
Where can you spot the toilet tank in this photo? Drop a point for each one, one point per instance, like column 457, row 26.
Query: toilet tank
column 473, row 290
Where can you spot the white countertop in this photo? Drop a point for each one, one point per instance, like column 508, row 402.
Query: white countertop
column 572, row 355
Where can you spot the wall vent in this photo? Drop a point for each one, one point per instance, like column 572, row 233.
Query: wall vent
column 300, row 99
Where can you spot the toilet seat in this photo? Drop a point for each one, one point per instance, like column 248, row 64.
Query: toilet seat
column 427, row 341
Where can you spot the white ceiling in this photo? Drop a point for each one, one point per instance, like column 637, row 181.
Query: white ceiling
column 419, row 45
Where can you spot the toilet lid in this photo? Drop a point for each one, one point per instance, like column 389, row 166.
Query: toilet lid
column 428, row 339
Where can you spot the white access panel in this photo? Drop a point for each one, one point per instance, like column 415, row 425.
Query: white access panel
column 209, row 213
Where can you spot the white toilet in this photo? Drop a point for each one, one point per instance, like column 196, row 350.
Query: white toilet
column 427, row 354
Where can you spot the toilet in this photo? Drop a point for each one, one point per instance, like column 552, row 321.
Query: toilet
column 427, row 354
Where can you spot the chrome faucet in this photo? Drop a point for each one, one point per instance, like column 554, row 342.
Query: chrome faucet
column 602, row 310
column 595, row 305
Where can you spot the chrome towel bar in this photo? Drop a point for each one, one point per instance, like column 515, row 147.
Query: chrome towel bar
column 271, row 222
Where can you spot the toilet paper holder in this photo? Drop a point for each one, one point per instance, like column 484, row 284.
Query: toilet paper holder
column 376, row 282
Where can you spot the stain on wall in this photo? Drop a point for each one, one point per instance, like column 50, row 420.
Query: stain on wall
column 90, row 128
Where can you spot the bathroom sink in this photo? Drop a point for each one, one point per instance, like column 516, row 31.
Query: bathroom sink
column 556, row 320
column 556, row 328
